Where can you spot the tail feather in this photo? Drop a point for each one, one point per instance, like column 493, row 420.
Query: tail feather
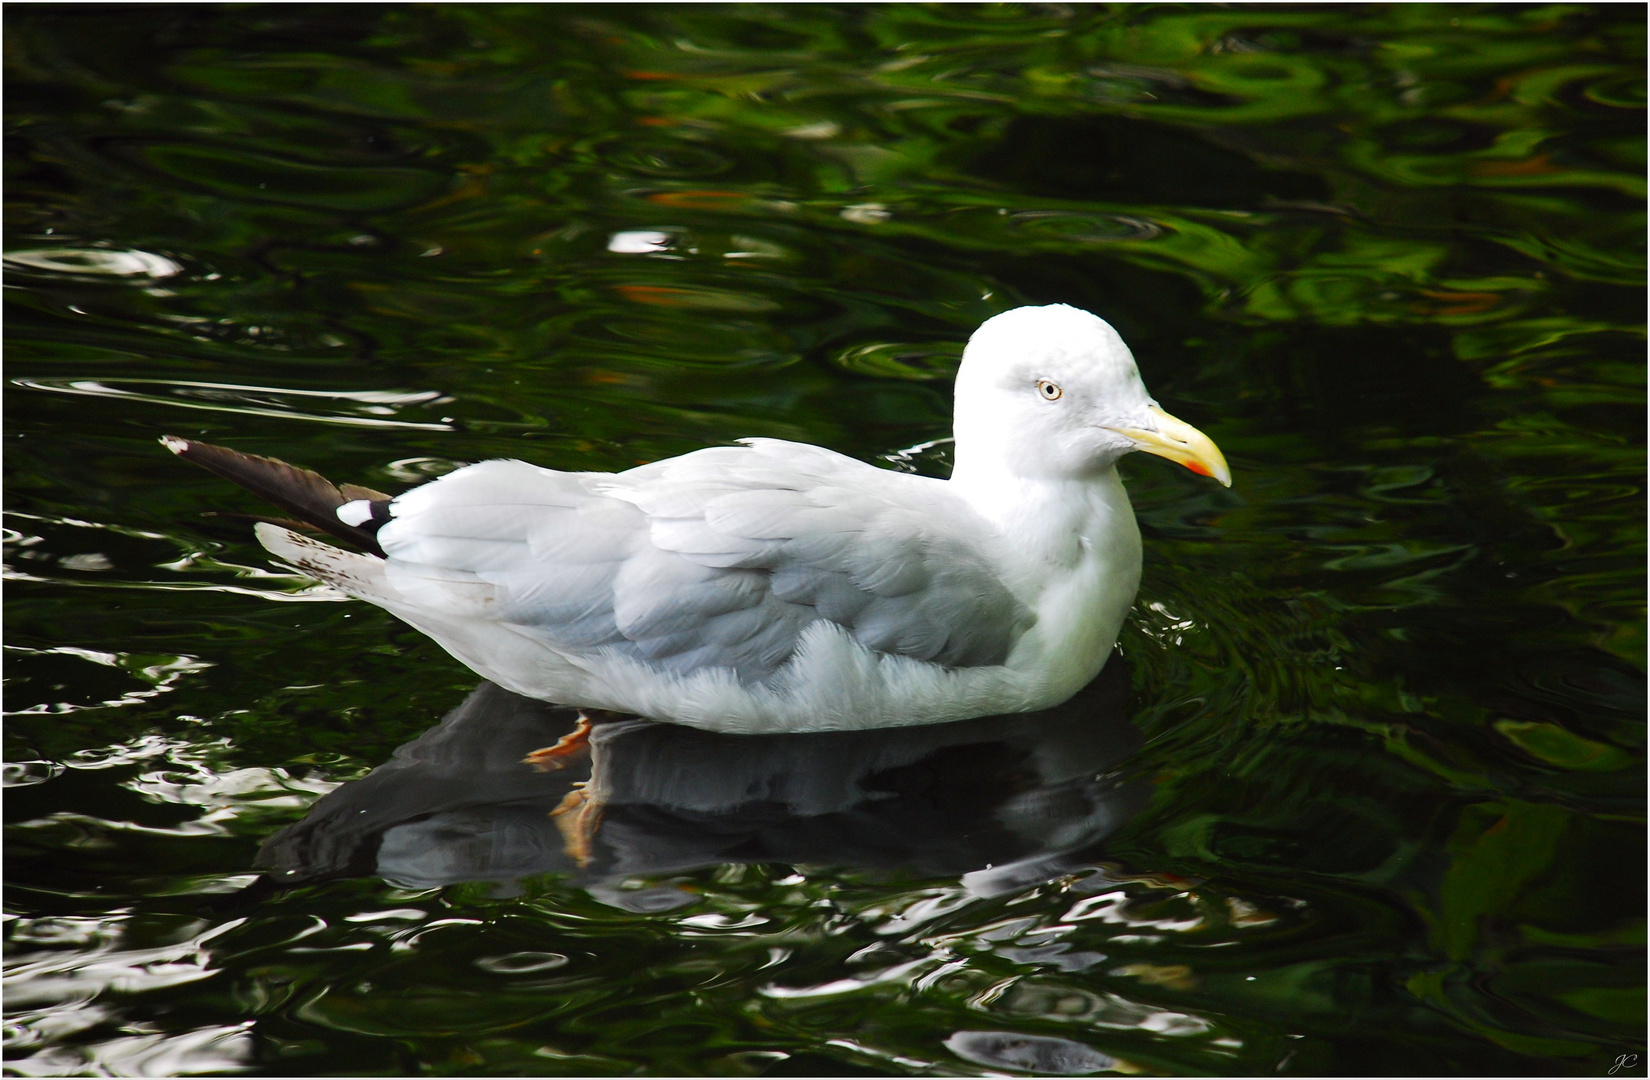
column 307, row 495
column 359, row 575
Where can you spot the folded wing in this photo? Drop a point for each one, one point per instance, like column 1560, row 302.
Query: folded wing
column 717, row 558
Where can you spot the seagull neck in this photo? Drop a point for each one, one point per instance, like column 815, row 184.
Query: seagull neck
column 1043, row 516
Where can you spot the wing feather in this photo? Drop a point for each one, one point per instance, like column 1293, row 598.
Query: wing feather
column 721, row 557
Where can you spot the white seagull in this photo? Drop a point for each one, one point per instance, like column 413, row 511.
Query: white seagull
column 775, row 586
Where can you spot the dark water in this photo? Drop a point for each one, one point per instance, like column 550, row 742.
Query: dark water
column 1366, row 797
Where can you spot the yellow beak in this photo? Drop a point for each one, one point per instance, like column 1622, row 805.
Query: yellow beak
column 1180, row 442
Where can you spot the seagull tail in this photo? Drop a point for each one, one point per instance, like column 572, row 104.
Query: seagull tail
column 361, row 576
column 310, row 497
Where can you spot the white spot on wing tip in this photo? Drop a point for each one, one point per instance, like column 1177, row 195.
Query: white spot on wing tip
column 174, row 444
column 358, row 512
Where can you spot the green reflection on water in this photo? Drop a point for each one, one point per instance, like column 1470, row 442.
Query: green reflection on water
column 1390, row 686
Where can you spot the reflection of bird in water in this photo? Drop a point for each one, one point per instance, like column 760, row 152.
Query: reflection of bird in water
column 1002, row 801
column 775, row 586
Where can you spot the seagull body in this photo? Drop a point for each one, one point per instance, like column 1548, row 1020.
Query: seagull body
column 774, row 586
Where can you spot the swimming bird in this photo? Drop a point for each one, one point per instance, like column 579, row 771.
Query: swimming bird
column 773, row 586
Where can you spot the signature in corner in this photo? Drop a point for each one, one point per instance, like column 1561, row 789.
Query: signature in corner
column 1624, row 1061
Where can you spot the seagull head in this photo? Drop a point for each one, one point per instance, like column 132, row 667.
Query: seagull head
column 1052, row 393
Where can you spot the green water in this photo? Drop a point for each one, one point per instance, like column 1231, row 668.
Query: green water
column 1365, row 796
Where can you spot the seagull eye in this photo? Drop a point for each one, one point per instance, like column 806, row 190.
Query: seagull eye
column 1050, row 391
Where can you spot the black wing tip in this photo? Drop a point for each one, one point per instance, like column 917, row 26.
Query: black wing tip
column 310, row 496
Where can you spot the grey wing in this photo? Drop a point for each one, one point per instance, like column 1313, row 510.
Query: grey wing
column 718, row 558
column 893, row 558
column 546, row 553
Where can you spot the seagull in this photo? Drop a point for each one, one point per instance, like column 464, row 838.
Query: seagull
column 774, row 586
